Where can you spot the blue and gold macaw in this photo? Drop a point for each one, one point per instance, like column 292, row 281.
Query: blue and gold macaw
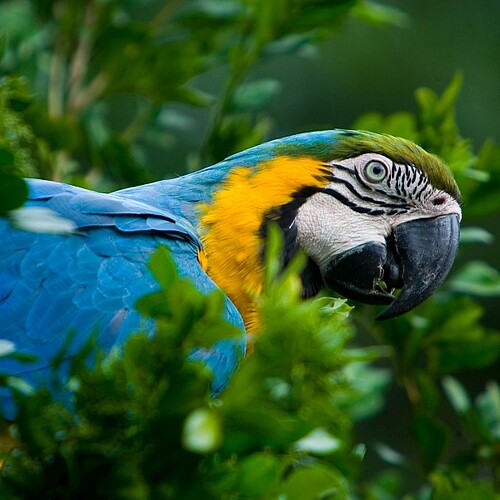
column 373, row 213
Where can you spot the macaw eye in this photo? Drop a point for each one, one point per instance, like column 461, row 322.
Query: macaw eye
column 375, row 171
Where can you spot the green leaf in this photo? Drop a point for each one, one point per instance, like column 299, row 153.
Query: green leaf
column 445, row 489
column 202, row 432
column 369, row 389
column 21, row 103
column 474, row 234
column 195, row 97
column 488, row 407
column 477, row 278
column 13, row 192
column 255, row 95
column 483, row 194
column 318, row 442
column 41, row 220
column 448, row 99
column 428, row 390
column 6, row 158
column 401, row 124
column 217, row 9
column 291, row 43
column 390, row 455
column 467, row 354
column 258, row 475
column 154, row 305
column 431, row 436
column 163, row 267
column 427, row 100
column 457, row 395
column 386, row 486
column 7, row 347
column 316, row 481
column 20, row 385
column 380, row 15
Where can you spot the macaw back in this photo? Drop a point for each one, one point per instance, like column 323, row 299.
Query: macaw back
column 89, row 280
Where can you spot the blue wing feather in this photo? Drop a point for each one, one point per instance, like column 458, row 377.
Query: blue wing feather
column 90, row 280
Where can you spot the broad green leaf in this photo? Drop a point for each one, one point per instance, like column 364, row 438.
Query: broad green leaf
column 450, row 358
column 19, row 105
column 472, row 234
column 310, row 482
column 6, row 158
column 163, row 267
column 258, row 475
column 13, row 192
column 431, row 436
column 370, row 385
column 464, row 490
column 477, row 278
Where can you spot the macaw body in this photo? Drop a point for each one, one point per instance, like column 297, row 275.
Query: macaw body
column 88, row 281
column 352, row 201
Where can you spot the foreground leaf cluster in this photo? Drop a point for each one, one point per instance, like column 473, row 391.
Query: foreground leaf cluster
column 143, row 424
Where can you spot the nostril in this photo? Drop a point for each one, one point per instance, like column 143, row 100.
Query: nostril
column 440, row 200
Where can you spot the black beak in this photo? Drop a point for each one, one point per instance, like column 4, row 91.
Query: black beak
column 416, row 258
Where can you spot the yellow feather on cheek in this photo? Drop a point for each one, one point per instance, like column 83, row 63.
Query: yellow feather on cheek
column 232, row 222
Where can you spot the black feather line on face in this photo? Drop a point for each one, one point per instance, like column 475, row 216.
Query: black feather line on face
column 284, row 216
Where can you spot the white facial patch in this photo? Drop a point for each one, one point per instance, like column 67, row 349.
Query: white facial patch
column 326, row 227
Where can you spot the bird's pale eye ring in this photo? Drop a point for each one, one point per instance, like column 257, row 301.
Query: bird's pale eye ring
column 375, row 171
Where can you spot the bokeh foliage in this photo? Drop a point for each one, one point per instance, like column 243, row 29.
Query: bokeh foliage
column 91, row 93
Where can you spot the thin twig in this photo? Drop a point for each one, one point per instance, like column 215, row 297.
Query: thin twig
column 55, row 93
column 412, row 391
column 165, row 12
column 142, row 118
column 79, row 65
column 91, row 93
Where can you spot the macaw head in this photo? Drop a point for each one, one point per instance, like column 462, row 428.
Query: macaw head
column 374, row 214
